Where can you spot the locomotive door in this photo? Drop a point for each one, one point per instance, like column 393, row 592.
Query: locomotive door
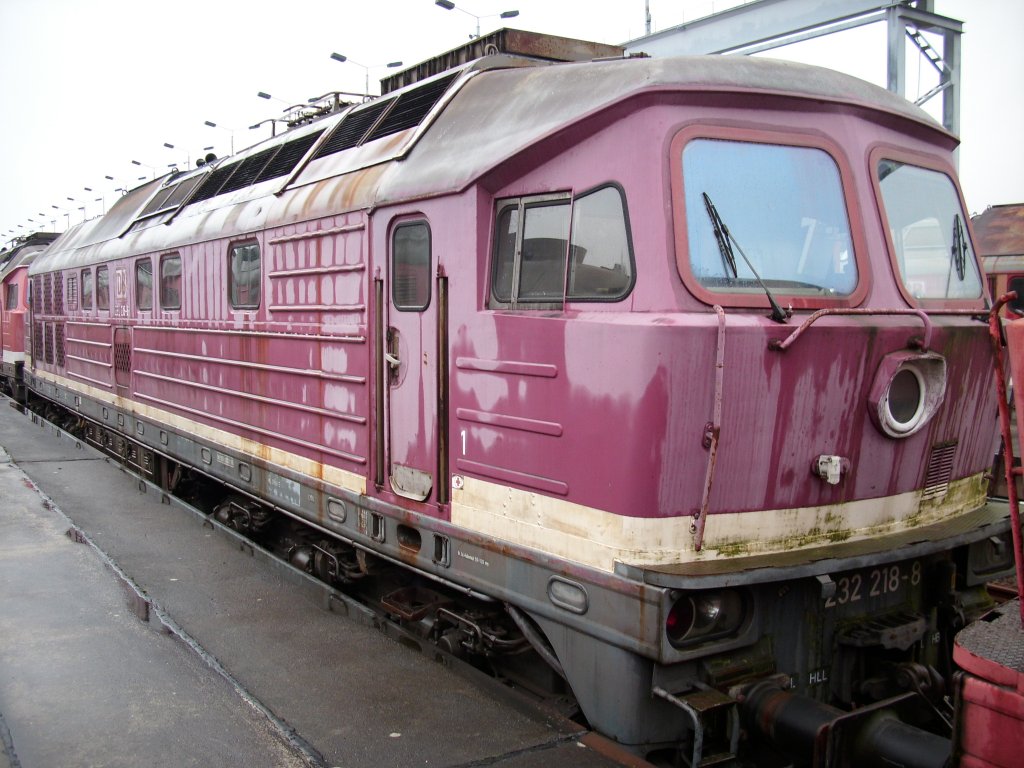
column 410, row 363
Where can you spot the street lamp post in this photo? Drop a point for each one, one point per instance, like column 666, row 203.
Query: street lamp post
column 448, row 5
column 212, row 124
column 366, row 69
column 122, row 189
column 144, row 165
column 80, row 207
column 66, row 213
column 188, row 156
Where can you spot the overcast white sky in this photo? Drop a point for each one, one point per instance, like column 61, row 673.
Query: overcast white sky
column 88, row 86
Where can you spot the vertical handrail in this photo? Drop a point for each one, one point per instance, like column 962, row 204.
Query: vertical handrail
column 711, row 434
column 380, row 373
column 996, row 336
column 444, row 483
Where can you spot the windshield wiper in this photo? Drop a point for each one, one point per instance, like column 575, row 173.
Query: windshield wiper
column 725, row 242
column 722, row 236
column 959, row 247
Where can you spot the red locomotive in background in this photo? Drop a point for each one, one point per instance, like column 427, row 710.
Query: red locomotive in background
column 668, row 372
column 14, row 263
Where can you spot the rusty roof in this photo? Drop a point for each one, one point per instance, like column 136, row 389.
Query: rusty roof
column 455, row 144
column 999, row 231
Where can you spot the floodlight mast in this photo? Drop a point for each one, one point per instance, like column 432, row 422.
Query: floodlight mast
column 448, row 5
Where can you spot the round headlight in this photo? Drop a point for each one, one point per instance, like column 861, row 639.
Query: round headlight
column 905, row 399
column 908, row 389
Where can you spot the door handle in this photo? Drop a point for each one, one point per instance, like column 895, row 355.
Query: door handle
column 391, row 354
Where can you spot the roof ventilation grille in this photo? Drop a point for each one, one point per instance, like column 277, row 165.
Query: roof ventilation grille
column 352, row 129
column 412, row 107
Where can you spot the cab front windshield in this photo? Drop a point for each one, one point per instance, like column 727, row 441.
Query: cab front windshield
column 784, row 213
column 929, row 232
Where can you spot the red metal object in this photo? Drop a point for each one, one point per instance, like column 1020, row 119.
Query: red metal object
column 782, row 346
column 990, row 694
column 712, row 434
column 995, row 727
column 1015, row 334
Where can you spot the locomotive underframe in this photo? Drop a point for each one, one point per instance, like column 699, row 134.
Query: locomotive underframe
column 836, row 633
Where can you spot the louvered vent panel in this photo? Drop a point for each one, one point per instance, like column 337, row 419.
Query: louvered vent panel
column 288, row 157
column 58, row 293
column 37, row 340
column 352, row 129
column 248, row 171
column 211, row 186
column 37, row 294
column 412, row 107
column 47, row 294
column 48, row 356
column 58, row 345
column 940, row 470
column 122, row 357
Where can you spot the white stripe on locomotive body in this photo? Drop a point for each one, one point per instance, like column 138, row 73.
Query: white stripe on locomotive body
column 601, row 539
column 339, row 478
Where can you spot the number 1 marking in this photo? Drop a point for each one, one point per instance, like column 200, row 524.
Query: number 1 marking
column 463, row 442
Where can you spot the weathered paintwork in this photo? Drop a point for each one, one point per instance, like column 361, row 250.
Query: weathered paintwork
column 571, row 442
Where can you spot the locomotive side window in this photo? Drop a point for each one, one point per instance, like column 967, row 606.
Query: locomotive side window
column 410, row 255
column 244, row 276
column 538, row 238
column 766, row 211
column 144, row 284
column 86, row 289
column 11, row 302
column 170, row 281
column 601, row 268
column 102, row 288
column 929, row 237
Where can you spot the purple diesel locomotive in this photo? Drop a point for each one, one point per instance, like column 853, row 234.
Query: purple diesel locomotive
column 660, row 377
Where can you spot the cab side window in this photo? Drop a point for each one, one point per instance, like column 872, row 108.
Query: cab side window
column 553, row 248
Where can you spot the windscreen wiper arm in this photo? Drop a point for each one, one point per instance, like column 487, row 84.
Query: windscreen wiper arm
column 725, row 242
column 959, row 247
column 722, row 236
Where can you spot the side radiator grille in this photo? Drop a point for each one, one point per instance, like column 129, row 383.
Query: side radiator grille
column 940, row 470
